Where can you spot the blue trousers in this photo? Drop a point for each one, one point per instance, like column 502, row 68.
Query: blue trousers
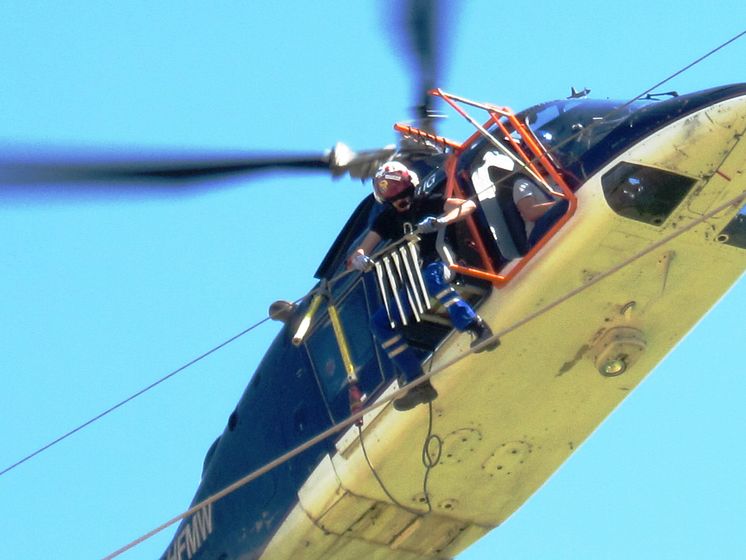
column 391, row 339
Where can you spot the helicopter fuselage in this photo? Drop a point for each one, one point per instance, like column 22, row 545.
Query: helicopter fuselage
column 505, row 420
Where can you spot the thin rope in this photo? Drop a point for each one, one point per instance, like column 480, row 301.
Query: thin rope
column 396, row 502
column 400, row 392
column 428, row 460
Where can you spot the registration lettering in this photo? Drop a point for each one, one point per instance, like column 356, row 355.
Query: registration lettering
column 192, row 535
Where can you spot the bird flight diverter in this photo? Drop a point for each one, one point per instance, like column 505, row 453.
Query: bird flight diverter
column 398, row 276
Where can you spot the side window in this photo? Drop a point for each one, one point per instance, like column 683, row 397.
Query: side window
column 325, row 356
column 355, row 319
column 644, row 194
column 735, row 232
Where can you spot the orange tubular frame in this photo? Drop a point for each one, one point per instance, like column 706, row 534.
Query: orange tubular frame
column 412, row 131
column 539, row 155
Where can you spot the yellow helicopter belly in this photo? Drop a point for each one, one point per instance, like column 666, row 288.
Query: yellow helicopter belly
column 508, row 419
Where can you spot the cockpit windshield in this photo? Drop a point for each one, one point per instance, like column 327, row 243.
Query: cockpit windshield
column 569, row 128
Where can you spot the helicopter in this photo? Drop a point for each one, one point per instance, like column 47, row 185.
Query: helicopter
column 222, row 415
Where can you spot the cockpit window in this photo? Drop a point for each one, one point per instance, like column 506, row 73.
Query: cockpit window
column 326, row 358
column 571, row 127
column 645, row 194
column 735, row 232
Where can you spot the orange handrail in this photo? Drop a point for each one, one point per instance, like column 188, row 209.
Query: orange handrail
column 515, row 145
column 450, row 169
column 474, row 231
column 414, row 131
column 538, row 149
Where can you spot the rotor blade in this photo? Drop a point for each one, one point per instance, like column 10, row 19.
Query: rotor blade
column 34, row 174
column 421, row 22
column 40, row 174
column 422, row 27
column 61, row 168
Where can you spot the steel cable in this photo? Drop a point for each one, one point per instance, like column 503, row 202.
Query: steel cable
column 131, row 397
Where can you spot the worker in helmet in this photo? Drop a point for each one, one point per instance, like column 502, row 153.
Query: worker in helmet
column 394, row 185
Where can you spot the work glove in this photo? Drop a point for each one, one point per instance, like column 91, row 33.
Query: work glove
column 430, row 224
column 360, row 262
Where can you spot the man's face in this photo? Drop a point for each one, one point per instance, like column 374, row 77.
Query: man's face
column 402, row 204
column 403, row 201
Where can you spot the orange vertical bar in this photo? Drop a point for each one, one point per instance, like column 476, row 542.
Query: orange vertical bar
column 539, row 152
column 450, row 169
column 481, row 249
column 516, row 146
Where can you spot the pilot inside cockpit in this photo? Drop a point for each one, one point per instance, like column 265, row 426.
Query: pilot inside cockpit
column 518, row 210
column 538, row 208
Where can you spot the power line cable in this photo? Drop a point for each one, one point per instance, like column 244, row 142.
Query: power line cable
column 131, row 397
column 734, row 202
column 149, row 387
column 688, row 66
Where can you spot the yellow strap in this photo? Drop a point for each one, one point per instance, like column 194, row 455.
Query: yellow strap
column 342, row 343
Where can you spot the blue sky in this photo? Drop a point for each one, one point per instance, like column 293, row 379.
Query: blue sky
column 100, row 298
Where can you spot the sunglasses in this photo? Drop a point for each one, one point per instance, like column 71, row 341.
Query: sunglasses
column 409, row 193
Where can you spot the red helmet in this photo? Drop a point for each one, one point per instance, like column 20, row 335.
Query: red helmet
column 392, row 179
